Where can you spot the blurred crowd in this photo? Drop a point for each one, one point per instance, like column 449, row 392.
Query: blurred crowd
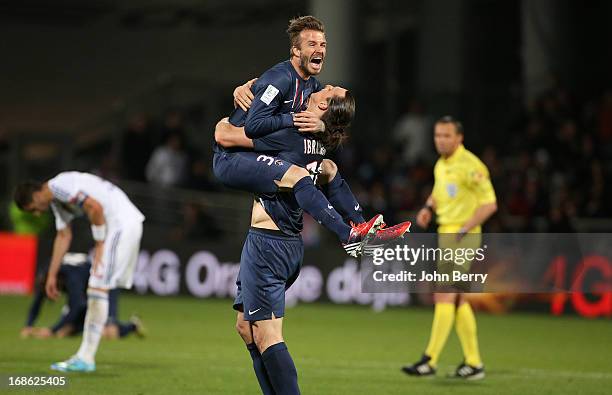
column 159, row 151
column 161, row 154
column 551, row 166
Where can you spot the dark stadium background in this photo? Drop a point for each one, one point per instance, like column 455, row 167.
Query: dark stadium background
column 98, row 86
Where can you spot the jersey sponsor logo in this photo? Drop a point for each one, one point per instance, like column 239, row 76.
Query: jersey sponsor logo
column 451, row 189
column 357, row 207
column 254, row 311
column 287, row 101
column 269, row 94
column 278, row 162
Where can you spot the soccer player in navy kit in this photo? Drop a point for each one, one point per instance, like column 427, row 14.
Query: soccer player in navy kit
column 283, row 89
column 273, row 251
column 257, row 173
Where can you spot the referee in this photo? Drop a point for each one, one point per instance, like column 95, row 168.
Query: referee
column 462, row 199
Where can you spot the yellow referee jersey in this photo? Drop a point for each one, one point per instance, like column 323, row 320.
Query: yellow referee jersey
column 462, row 184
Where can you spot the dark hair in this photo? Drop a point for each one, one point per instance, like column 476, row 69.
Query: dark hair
column 450, row 119
column 299, row 24
column 338, row 117
column 24, row 191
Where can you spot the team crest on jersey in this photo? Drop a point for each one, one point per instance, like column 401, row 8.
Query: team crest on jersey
column 451, row 189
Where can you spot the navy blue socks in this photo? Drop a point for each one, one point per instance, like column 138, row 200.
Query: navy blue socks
column 312, row 200
column 281, row 369
column 260, row 370
column 341, row 197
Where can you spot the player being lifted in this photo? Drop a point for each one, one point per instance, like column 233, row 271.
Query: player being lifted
column 285, row 151
column 283, row 89
column 116, row 226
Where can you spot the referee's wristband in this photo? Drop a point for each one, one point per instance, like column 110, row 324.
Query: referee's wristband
column 98, row 232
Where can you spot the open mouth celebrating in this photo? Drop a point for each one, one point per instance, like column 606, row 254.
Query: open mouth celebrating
column 316, row 62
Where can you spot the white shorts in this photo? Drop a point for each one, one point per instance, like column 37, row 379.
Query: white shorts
column 121, row 249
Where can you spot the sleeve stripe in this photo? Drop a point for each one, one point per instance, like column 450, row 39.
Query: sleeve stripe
column 113, row 256
column 60, row 193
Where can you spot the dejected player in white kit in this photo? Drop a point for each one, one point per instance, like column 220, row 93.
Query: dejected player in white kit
column 116, row 226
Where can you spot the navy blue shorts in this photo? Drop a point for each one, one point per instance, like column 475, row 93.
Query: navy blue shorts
column 270, row 263
column 249, row 171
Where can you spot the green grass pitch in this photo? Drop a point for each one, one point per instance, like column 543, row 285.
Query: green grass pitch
column 192, row 348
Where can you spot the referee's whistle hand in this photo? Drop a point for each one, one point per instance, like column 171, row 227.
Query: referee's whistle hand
column 423, row 218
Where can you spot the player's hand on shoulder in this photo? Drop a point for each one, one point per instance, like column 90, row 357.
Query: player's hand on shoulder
column 308, row 122
column 243, row 96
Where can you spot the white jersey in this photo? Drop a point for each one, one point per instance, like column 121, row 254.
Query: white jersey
column 71, row 188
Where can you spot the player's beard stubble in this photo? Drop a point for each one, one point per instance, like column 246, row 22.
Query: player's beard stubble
column 304, row 62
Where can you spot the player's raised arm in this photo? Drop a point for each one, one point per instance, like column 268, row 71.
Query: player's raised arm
column 263, row 117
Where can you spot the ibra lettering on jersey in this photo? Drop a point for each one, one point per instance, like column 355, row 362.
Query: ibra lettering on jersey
column 314, row 147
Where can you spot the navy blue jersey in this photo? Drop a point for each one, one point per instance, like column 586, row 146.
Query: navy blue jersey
column 287, row 93
column 302, row 150
column 279, row 92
